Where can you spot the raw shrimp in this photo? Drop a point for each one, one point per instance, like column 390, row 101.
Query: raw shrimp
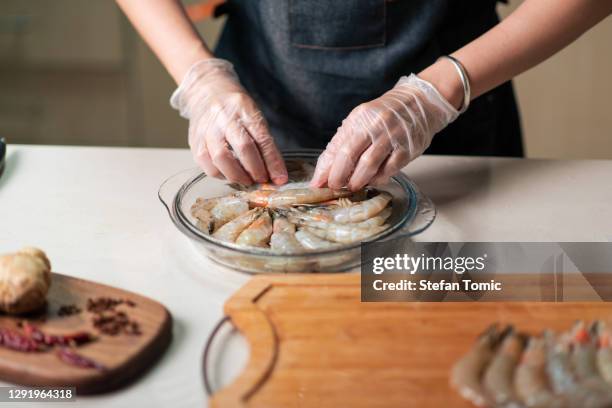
column 376, row 220
column 583, row 353
column 345, row 233
column 282, row 224
column 204, row 221
column 560, row 367
column 604, row 353
column 319, row 218
column 467, row 372
column 283, row 237
column 228, row 208
column 312, row 242
column 201, row 211
column 530, row 377
column 498, row 377
column 304, row 215
column 230, row 231
column 363, row 210
column 288, row 197
column 558, row 363
column 326, row 216
column 584, row 363
column 258, row 198
column 204, row 204
column 258, row 233
column 212, row 213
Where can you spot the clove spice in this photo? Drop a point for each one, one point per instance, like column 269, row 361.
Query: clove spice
column 68, row 310
column 110, row 321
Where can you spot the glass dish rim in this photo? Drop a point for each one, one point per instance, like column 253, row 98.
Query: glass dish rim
column 400, row 179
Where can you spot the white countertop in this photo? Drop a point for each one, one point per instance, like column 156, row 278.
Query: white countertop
column 96, row 213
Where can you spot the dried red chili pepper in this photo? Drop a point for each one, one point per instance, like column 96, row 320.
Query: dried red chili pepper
column 78, row 338
column 16, row 341
column 39, row 336
column 74, row 339
column 73, row 358
column 33, row 332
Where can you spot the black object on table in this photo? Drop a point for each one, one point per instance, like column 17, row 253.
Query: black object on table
column 2, row 153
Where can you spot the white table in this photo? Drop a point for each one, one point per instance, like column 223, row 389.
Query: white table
column 95, row 212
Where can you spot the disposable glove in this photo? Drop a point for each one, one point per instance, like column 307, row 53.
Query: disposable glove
column 228, row 134
column 378, row 138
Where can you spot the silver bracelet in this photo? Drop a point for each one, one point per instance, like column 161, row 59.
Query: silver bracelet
column 465, row 81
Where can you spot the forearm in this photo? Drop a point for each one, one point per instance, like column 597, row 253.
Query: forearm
column 166, row 28
column 531, row 34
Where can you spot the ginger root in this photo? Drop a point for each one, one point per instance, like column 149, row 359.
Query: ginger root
column 25, row 278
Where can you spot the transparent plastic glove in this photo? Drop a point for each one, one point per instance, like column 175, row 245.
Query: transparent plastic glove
column 378, row 138
column 228, row 134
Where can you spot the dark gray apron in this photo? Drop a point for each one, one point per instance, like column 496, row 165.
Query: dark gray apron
column 308, row 63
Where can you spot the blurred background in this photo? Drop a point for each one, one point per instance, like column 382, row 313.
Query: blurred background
column 75, row 72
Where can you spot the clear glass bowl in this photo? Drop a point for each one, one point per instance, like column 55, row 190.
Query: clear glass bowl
column 412, row 213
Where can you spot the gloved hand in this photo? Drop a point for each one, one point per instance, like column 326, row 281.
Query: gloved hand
column 378, row 138
column 228, row 134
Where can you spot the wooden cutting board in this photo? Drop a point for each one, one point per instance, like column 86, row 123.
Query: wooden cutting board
column 124, row 356
column 314, row 344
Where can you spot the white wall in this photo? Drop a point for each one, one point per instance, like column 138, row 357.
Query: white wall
column 565, row 102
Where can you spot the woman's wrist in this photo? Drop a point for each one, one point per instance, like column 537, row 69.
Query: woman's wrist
column 443, row 76
column 188, row 57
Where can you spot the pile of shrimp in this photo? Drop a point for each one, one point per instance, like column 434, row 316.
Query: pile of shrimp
column 293, row 218
column 561, row 370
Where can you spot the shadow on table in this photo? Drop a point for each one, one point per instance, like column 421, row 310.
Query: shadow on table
column 447, row 185
column 11, row 162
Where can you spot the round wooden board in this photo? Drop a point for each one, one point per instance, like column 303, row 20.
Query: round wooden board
column 124, row 356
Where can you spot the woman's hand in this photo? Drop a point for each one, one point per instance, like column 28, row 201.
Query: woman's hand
column 380, row 137
column 228, row 134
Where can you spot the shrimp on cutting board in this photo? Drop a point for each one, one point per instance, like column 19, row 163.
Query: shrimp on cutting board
column 584, row 363
column 604, row 352
column 561, row 368
column 531, row 379
column 467, row 373
column 499, row 375
column 583, row 355
column 558, row 365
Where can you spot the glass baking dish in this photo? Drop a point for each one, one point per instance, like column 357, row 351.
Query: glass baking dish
column 412, row 213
